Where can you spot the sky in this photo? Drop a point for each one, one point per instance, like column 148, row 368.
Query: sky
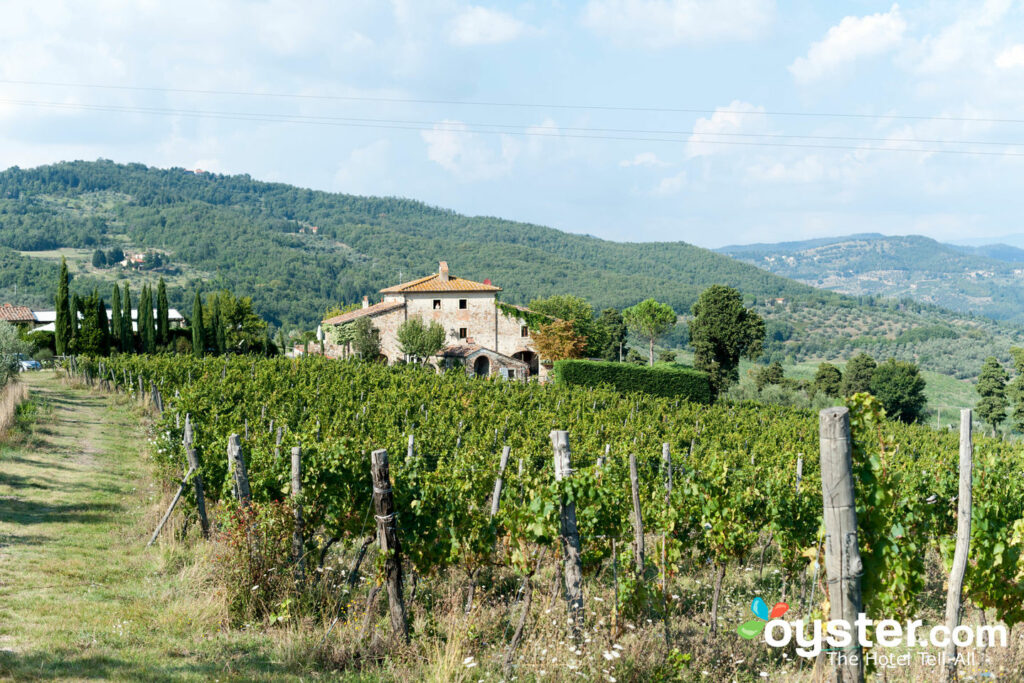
column 713, row 122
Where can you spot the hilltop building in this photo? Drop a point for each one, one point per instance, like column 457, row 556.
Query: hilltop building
column 484, row 336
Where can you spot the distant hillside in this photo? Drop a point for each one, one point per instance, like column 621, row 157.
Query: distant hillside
column 257, row 238
column 986, row 280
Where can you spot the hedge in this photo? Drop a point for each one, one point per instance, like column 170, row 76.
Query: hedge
column 660, row 380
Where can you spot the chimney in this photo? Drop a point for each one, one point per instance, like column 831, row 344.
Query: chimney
column 366, row 302
column 442, row 271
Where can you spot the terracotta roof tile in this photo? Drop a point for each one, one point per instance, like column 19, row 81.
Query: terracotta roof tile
column 376, row 309
column 17, row 314
column 433, row 283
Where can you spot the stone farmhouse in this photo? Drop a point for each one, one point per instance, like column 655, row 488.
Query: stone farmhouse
column 483, row 335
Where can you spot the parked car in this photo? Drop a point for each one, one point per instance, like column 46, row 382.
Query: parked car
column 26, row 363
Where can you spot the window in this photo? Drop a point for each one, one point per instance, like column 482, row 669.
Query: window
column 524, row 331
column 463, row 333
column 437, row 304
column 463, row 303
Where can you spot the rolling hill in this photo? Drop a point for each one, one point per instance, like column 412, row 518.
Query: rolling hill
column 258, row 239
column 987, row 280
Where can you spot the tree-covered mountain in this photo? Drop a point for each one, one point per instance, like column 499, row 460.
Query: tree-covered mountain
column 987, row 280
column 298, row 252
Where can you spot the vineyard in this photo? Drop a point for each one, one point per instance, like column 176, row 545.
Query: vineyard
column 679, row 509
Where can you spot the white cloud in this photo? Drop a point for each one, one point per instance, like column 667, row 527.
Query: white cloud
column 851, row 39
column 665, row 23
column 670, row 185
column 1011, row 57
column 644, row 159
column 963, row 45
column 738, row 117
column 466, row 155
column 483, row 26
column 808, row 169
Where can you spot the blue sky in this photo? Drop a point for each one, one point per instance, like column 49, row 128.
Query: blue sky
column 738, row 66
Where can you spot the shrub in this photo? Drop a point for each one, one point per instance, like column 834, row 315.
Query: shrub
column 661, row 380
column 254, row 560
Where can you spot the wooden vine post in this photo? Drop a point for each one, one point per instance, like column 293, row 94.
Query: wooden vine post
column 298, row 546
column 570, row 535
column 197, row 480
column 843, row 564
column 499, row 482
column 239, row 472
column 963, row 538
column 387, row 534
column 638, row 518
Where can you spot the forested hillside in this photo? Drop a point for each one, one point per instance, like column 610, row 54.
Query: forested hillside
column 256, row 238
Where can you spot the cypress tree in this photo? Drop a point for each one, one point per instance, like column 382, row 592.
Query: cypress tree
column 198, row 342
column 127, row 335
column 76, row 323
column 145, row 315
column 162, row 314
column 217, row 326
column 62, row 327
column 115, row 318
column 103, row 324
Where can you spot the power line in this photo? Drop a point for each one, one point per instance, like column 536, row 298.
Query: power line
column 519, row 105
column 486, row 129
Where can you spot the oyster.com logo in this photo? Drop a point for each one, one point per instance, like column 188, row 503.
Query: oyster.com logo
column 752, row 629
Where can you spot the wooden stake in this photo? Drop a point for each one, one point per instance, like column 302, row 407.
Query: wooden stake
column 570, row 535
column 963, row 539
column 638, row 519
column 170, row 508
column 499, row 482
column 842, row 555
column 239, row 470
column 197, row 480
column 298, row 546
column 387, row 534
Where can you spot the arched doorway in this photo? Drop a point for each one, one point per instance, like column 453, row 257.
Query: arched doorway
column 482, row 366
column 531, row 359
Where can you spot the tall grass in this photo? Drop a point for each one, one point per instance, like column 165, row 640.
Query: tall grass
column 11, row 396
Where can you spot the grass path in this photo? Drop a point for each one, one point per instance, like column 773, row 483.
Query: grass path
column 81, row 598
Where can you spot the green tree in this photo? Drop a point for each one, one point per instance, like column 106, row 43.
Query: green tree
column 828, row 380
column 99, row 259
column 992, row 390
column 163, row 321
column 63, row 325
column 1015, row 390
column 198, row 341
column 574, row 309
column 365, row 338
column 241, row 330
column 127, row 333
column 610, row 331
column 77, row 309
column 147, row 335
column 900, row 388
column 649, row 319
column 859, row 371
column 769, row 374
column 92, row 336
column 721, row 331
column 420, row 340
column 115, row 318
column 215, row 325
column 11, row 346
